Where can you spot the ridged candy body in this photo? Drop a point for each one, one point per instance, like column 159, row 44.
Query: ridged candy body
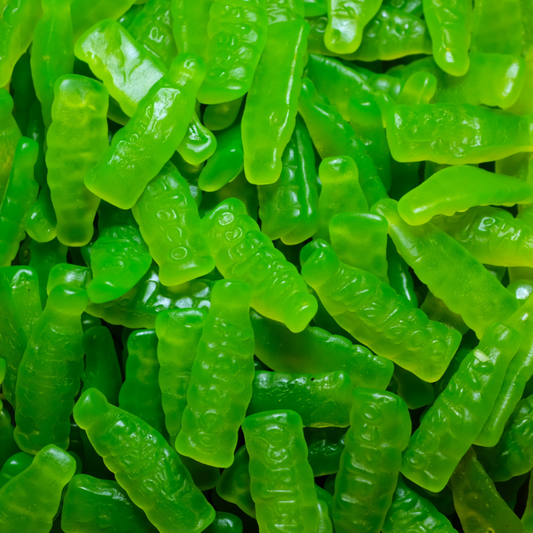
column 145, row 466
column 30, row 501
column 281, row 480
column 242, row 252
column 169, row 223
column 119, row 257
column 178, row 333
column 49, row 373
column 237, row 35
column 76, row 139
column 220, row 388
column 459, row 413
column 141, row 149
column 94, row 505
column 321, row 399
column 410, row 512
column 272, row 101
column 140, row 394
column 464, row 284
column 455, row 134
column 20, row 307
column 371, row 460
column 289, row 208
column 376, row 315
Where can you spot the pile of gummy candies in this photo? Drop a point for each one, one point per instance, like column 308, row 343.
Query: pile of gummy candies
column 265, row 266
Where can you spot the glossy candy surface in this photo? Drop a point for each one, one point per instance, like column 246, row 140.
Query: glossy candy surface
column 503, row 90
column 49, row 373
column 364, row 486
column 334, row 137
column 340, row 193
column 285, row 497
column 19, row 194
column 512, row 455
column 272, row 107
column 178, row 334
column 119, row 257
column 31, row 499
column 289, row 207
column 169, row 222
column 140, row 394
column 346, row 22
column 243, row 252
column 410, row 511
column 109, row 428
column 152, row 27
column 360, row 241
column 464, row 285
column 17, row 25
column 465, row 404
column 221, row 378
column 49, row 61
column 19, row 311
column 150, row 137
column 360, row 303
column 76, row 139
column 455, row 134
column 470, row 483
column 493, row 236
column 102, row 370
column 314, row 350
column 321, row 399
column 458, row 188
column 237, row 36
column 126, row 68
column 93, row 505
column 450, row 27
